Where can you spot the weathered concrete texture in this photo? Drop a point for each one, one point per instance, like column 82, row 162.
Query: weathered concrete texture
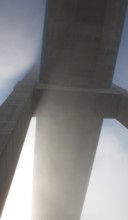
column 68, row 128
column 15, row 115
column 82, row 38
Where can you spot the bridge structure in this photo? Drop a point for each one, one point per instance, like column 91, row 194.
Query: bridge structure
column 72, row 96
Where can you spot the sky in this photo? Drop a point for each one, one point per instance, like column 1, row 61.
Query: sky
column 121, row 69
column 21, row 28
column 107, row 194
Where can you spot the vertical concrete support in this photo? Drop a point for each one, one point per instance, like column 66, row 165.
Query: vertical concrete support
column 15, row 115
column 82, row 38
column 68, row 128
column 123, row 111
column 110, row 38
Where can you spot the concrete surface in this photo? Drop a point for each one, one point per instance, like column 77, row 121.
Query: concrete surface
column 15, row 115
column 78, row 59
column 66, row 140
column 81, row 42
column 68, row 128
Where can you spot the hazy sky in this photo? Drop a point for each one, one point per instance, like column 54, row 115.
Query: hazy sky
column 21, row 27
column 121, row 69
column 107, row 195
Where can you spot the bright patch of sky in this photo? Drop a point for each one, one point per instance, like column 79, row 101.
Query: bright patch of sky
column 21, row 28
column 107, row 195
column 18, row 204
column 121, row 68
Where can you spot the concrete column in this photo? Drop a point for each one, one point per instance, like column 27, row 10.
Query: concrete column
column 15, row 115
column 122, row 116
column 68, row 128
column 82, row 39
